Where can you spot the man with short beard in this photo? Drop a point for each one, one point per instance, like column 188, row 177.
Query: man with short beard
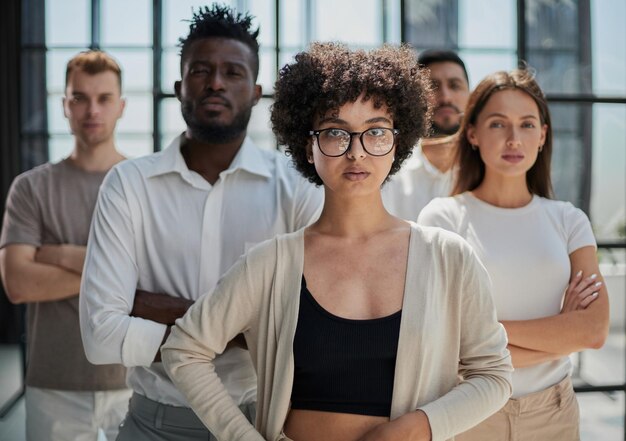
column 428, row 173
column 168, row 225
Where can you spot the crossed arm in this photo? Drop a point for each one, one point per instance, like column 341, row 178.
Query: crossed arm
column 583, row 322
column 53, row 272
column 165, row 309
column 47, row 273
column 160, row 308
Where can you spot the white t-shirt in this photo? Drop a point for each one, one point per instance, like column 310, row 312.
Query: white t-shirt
column 414, row 186
column 526, row 252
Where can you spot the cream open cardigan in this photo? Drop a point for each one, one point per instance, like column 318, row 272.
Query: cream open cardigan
column 448, row 328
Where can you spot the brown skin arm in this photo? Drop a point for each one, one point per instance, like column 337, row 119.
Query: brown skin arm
column 158, row 307
column 165, row 309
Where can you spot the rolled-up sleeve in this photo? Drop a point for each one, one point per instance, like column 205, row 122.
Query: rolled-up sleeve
column 109, row 333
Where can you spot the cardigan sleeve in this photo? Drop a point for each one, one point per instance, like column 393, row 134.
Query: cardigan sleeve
column 203, row 333
column 484, row 361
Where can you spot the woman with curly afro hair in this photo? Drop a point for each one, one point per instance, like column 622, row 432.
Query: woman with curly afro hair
column 361, row 326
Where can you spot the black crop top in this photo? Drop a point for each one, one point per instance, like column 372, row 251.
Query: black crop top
column 343, row 365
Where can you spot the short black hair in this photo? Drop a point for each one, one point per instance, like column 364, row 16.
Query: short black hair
column 221, row 21
column 329, row 75
column 430, row 56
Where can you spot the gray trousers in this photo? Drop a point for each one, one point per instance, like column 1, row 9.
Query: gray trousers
column 149, row 420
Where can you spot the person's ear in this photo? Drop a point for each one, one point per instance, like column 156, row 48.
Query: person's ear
column 258, row 93
column 544, row 133
column 122, row 107
column 177, row 89
column 65, row 109
column 309, row 151
column 471, row 135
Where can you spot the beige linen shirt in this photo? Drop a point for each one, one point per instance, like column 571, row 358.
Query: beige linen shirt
column 448, row 328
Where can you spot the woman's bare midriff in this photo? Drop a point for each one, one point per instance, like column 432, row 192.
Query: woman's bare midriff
column 312, row 425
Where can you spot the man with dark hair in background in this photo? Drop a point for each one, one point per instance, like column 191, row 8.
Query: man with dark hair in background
column 46, row 224
column 428, row 173
column 168, row 225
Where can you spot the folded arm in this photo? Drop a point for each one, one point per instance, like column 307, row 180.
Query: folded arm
column 158, row 307
column 67, row 256
column 26, row 280
column 110, row 334
column 574, row 329
column 522, row 357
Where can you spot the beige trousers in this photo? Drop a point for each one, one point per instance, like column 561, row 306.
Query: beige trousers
column 550, row 414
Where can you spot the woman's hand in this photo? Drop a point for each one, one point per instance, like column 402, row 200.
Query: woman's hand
column 580, row 292
column 413, row 426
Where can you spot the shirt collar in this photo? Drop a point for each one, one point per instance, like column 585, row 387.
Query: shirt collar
column 249, row 158
column 419, row 159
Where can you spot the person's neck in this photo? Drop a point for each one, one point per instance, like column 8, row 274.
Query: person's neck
column 354, row 217
column 209, row 160
column 504, row 192
column 95, row 158
column 440, row 152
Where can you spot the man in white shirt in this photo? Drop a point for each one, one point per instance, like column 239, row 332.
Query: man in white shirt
column 172, row 223
column 428, row 173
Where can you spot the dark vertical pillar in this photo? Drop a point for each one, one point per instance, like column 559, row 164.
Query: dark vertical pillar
column 32, row 85
column 521, row 33
column 586, row 87
column 95, row 25
column 157, row 52
column 11, row 316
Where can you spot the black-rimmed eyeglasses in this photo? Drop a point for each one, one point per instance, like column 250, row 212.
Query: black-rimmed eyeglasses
column 377, row 141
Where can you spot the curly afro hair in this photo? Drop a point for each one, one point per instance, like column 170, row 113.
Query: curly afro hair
column 221, row 21
column 329, row 75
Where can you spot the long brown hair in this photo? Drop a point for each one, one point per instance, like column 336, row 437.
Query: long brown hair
column 471, row 168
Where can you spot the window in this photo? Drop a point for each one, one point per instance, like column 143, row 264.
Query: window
column 578, row 49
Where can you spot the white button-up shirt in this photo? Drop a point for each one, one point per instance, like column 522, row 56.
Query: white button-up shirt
column 161, row 227
column 416, row 184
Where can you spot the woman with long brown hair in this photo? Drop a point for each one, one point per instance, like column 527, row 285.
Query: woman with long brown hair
column 539, row 252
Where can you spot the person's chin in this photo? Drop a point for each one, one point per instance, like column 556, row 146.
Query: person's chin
column 444, row 130
column 214, row 117
column 220, row 124
column 91, row 140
